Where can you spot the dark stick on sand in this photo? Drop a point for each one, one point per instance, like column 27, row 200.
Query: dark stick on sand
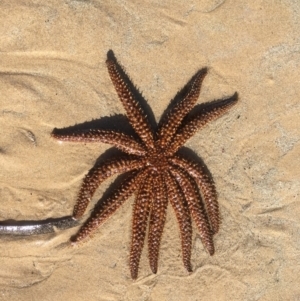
column 24, row 228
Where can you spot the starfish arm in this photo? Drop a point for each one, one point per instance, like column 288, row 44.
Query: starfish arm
column 210, row 112
column 174, row 118
column 121, row 141
column 141, row 213
column 109, row 206
column 196, row 208
column 207, row 187
column 97, row 175
column 136, row 117
column 182, row 213
column 157, row 220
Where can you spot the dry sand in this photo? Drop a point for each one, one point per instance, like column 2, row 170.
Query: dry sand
column 53, row 74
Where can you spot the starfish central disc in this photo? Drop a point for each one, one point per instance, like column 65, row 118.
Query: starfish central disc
column 157, row 160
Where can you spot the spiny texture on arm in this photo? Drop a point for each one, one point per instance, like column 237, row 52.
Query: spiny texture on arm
column 182, row 213
column 108, row 206
column 141, row 213
column 194, row 123
column 121, row 141
column 97, row 175
column 174, row 118
column 196, row 208
column 136, row 116
column 157, row 220
column 156, row 172
column 204, row 180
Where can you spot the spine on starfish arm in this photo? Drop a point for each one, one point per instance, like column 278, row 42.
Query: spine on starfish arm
column 140, row 215
column 157, row 220
column 105, row 208
column 97, row 175
column 174, row 118
column 121, row 141
column 199, row 119
column 207, row 188
column 183, row 216
column 196, row 208
column 135, row 114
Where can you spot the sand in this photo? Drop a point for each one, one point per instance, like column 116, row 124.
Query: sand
column 53, row 74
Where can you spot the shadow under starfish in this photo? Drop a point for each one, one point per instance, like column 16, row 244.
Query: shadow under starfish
column 154, row 168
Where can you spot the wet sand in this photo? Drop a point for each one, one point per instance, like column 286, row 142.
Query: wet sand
column 53, row 74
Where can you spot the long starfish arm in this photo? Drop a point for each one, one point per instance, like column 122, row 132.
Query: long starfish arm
column 174, row 118
column 136, row 117
column 183, row 217
column 157, row 220
column 210, row 112
column 141, row 213
column 121, row 141
column 204, row 180
column 196, row 208
column 97, row 175
column 108, row 206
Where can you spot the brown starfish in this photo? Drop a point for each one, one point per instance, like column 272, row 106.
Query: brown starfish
column 156, row 171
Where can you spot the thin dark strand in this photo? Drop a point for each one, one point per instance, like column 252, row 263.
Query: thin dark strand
column 37, row 227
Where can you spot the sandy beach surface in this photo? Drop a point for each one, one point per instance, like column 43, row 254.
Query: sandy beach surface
column 53, row 74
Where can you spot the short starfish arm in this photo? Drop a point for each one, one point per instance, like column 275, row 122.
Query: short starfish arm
column 157, row 220
column 107, row 207
column 141, row 213
column 191, row 125
column 136, row 117
column 174, row 118
column 204, row 180
column 97, row 175
column 121, row 141
column 184, row 219
column 196, row 208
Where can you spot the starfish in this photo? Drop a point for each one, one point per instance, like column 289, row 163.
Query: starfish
column 156, row 171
